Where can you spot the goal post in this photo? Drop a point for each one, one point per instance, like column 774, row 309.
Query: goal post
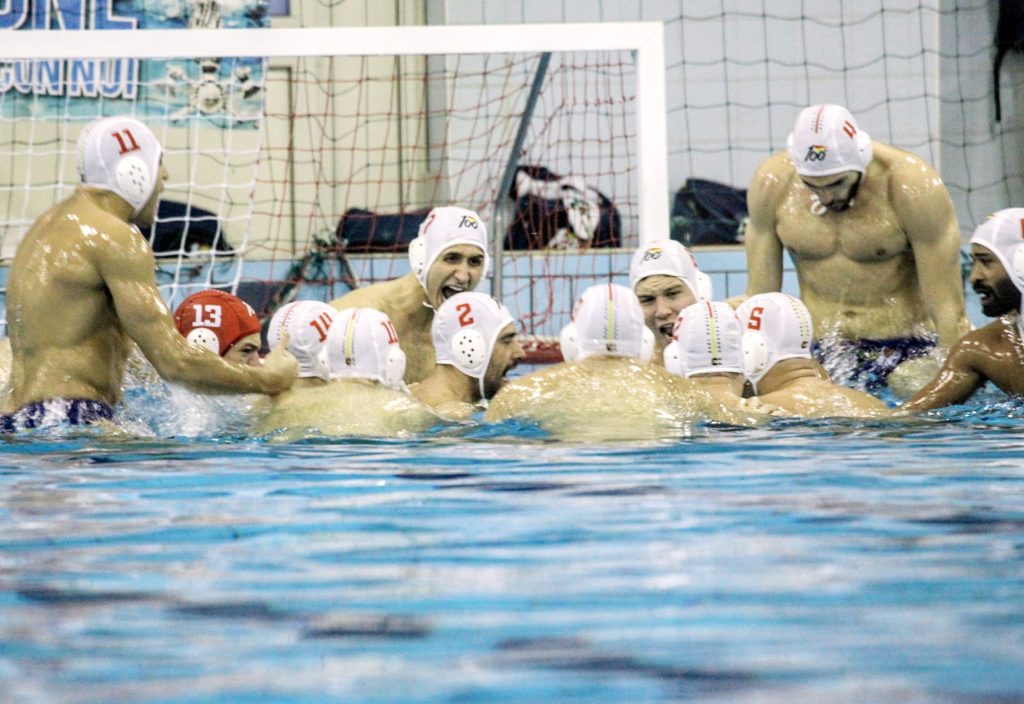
column 329, row 122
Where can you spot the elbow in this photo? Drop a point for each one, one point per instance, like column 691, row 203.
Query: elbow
column 180, row 368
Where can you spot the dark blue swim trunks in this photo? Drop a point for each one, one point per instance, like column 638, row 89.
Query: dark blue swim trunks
column 56, row 411
column 866, row 364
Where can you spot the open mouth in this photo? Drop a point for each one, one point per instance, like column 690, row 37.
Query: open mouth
column 984, row 294
column 449, row 291
column 666, row 330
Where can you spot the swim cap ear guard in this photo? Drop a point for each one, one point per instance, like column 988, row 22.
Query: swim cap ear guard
column 206, row 338
column 705, row 289
column 134, row 181
column 1017, row 266
column 567, row 343
column 417, row 256
column 646, row 345
column 755, row 357
column 469, row 351
column 864, row 149
column 674, row 359
column 394, row 368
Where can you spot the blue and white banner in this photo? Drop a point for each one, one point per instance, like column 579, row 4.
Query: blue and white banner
column 221, row 92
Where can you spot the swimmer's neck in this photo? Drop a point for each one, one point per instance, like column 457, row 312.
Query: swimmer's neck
column 106, row 200
column 785, row 373
column 408, row 301
column 446, row 383
column 731, row 383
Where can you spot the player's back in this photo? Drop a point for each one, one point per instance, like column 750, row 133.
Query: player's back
column 813, row 397
column 345, row 407
column 65, row 338
column 603, row 398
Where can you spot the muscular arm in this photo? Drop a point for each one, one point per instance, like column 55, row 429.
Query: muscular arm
column 923, row 206
column 126, row 265
column 955, row 382
column 764, row 248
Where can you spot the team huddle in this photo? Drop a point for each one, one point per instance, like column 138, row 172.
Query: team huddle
column 870, row 229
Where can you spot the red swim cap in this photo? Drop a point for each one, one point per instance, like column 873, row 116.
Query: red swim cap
column 215, row 320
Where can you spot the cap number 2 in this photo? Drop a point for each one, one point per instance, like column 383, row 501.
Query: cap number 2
column 464, row 314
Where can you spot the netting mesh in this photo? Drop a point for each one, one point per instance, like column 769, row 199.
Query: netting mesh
column 373, row 143
column 323, row 189
column 320, row 190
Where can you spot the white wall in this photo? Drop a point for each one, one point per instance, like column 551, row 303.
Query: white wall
column 915, row 74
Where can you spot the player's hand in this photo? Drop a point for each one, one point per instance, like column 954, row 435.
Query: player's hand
column 280, row 367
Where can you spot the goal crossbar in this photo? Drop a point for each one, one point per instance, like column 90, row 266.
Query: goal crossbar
column 644, row 39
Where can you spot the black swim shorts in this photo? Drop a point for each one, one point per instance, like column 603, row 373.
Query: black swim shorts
column 56, row 411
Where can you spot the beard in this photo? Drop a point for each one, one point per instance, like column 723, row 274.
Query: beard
column 1001, row 300
column 848, row 201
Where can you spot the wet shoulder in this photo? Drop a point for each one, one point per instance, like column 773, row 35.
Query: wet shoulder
column 73, row 223
column 385, row 296
column 900, row 160
column 541, row 380
column 998, row 335
column 772, row 179
column 905, row 172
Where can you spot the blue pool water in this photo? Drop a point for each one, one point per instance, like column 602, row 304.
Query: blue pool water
column 804, row 562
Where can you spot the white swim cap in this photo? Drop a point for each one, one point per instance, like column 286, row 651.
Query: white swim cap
column 120, row 155
column 443, row 228
column 668, row 258
column 775, row 327
column 707, row 340
column 826, row 140
column 705, row 286
column 308, row 324
column 466, row 327
column 607, row 320
column 362, row 344
column 1003, row 234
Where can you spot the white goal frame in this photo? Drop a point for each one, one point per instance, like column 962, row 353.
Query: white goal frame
column 644, row 39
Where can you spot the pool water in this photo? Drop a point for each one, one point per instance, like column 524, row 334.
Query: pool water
column 801, row 562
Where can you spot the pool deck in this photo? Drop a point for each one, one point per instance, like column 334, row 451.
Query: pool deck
column 564, row 276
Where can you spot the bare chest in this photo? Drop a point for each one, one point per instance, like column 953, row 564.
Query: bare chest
column 867, row 232
column 419, row 353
